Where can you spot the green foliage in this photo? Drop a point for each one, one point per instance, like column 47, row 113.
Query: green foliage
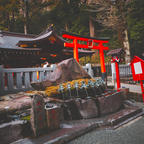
column 12, row 15
column 8, row 11
column 136, row 27
column 64, row 14
column 136, row 32
column 80, row 25
column 27, row 118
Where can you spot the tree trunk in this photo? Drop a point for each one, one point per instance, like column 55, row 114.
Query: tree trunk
column 68, row 1
column 91, row 27
column 126, row 47
column 12, row 25
column 66, row 27
column 26, row 17
column 8, row 22
column 89, row 1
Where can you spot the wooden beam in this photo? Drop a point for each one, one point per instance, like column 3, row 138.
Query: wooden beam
column 75, row 50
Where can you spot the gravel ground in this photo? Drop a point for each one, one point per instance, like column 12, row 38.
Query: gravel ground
column 131, row 133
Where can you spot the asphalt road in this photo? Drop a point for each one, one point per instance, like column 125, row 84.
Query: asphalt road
column 131, row 133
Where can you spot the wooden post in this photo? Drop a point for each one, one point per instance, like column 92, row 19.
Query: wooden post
column 1, row 79
column 27, row 80
column 10, row 81
column 19, row 80
column 117, row 75
column 75, row 50
column 34, row 76
column 41, row 76
column 103, row 69
column 142, row 88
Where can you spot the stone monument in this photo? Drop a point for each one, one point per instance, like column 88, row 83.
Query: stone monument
column 38, row 115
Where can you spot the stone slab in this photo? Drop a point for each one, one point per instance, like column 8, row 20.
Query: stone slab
column 122, row 115
column 13, row 131
column 70, row 110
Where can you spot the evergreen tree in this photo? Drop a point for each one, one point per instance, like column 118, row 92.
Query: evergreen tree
column 136, row 27
column 9, row 11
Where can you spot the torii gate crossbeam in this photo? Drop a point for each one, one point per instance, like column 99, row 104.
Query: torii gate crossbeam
column 87, row 43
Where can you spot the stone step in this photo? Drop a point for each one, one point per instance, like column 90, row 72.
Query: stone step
column 124, row 116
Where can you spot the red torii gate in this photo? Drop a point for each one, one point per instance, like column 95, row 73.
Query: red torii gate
column 91, row 43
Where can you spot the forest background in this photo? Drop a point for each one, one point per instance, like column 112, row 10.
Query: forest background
column 120, row 20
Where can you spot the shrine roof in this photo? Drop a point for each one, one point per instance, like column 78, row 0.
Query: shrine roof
column 7, row 33
column 43, row 37
column 116, row 51
column 8, row 40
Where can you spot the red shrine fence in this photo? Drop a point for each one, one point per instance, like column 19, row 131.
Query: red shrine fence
column 20, row 79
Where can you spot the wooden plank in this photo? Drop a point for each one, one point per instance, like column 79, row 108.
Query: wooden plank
column 27, row 69
column 27, row 80
column 19, row 80
column 10, row 82
column 41, row 76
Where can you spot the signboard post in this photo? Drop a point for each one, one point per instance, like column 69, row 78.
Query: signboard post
column 137, row 66
column 142, row 88
column 115, row 60
column 116, row 56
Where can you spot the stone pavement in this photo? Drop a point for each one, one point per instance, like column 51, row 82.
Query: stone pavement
column 68, row 131
column 131, row 133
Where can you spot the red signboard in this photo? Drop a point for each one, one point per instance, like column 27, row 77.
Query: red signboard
column 137, row 66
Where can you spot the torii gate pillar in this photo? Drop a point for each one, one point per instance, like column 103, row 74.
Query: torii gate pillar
column 75, row 50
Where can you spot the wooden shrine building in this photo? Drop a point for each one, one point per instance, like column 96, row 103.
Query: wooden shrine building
column 20, row 50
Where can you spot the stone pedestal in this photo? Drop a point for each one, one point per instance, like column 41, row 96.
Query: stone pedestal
column 53, row 117
column 87, row 108
column 125, row 92
column 71, row 111
column 110, row 103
